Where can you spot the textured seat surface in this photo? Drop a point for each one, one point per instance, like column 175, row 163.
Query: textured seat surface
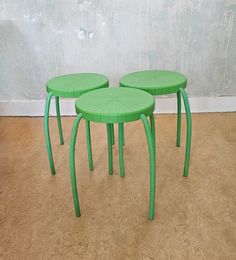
column 115, row 105
column 74, row 85
column 156, row 82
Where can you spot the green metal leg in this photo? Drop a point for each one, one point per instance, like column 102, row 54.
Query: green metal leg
column 109, row 138
column 178, row 119
column 112, row 134
column 152, row 123
column 121, row 153
column 72, row 164
column 152, row 166
column 123, row 134
column 47, row 134
column 189, row 131
column 89, row 148
column 59, row 120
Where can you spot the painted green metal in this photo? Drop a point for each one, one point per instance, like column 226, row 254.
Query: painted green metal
column 72, row 164
column 123, row 134
column 162, row 82
column 152, row 166
column 89, row 147
column 121, row 152
column 112, row 134
column 109, row 139
column 47, row 134
column 115, row 105
column 110, row 106
column 155, row 82
column 152, row 124
column 59, row 120
column 70, row 86
column 149, row 136
column 74, row 85
column 189, row 131
column 178, row 135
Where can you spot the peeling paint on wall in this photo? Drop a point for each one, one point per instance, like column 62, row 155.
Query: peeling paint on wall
column 84, row 5
column 32, row 18
column 82, row 34
column 42, row 39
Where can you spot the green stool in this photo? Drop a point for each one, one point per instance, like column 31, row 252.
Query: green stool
column 116, row 105
column 70, row 86
column 161, row 82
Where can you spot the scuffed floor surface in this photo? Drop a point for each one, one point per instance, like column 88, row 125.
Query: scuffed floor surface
column 195, row 216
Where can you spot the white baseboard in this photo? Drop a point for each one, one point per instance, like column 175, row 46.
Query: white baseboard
column 198, row 104
column 163, row 105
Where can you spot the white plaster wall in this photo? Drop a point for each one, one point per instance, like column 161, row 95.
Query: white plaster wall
column 40, row 39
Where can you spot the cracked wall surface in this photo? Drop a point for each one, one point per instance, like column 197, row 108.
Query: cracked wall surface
column 42, row 39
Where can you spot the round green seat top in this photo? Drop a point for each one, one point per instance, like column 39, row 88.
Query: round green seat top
column 74, row 85
column 115, row 105
column 156, row 82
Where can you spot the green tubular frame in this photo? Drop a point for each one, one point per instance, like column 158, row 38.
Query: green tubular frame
column 72, row 164
column 112, row 134
column 178, row 119
column 47, row 134
column 180, row 93
column 89, row 148
column 59, row 120
column 123, row 134
column 189, row 131
column 152, row 124
column 72, row 158
column 109, row 139
column 121, row 152
column 122, row 143
column 149, row 134
column 151, row 150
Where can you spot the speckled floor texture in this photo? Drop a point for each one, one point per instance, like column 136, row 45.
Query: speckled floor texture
column 195, row 216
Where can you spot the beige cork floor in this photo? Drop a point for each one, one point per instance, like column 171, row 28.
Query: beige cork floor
column 195, row 216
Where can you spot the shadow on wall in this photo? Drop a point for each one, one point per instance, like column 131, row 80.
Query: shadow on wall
column 19, row 66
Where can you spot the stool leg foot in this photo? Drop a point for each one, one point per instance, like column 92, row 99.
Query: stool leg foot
column 59, row 120
column 109, row 139
column 189, row 131
column 152, row 166
column 112, row 134
column 72, row 165
column 47, row 134
column 121, row 152
column 89, row 147
column 178, row 119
